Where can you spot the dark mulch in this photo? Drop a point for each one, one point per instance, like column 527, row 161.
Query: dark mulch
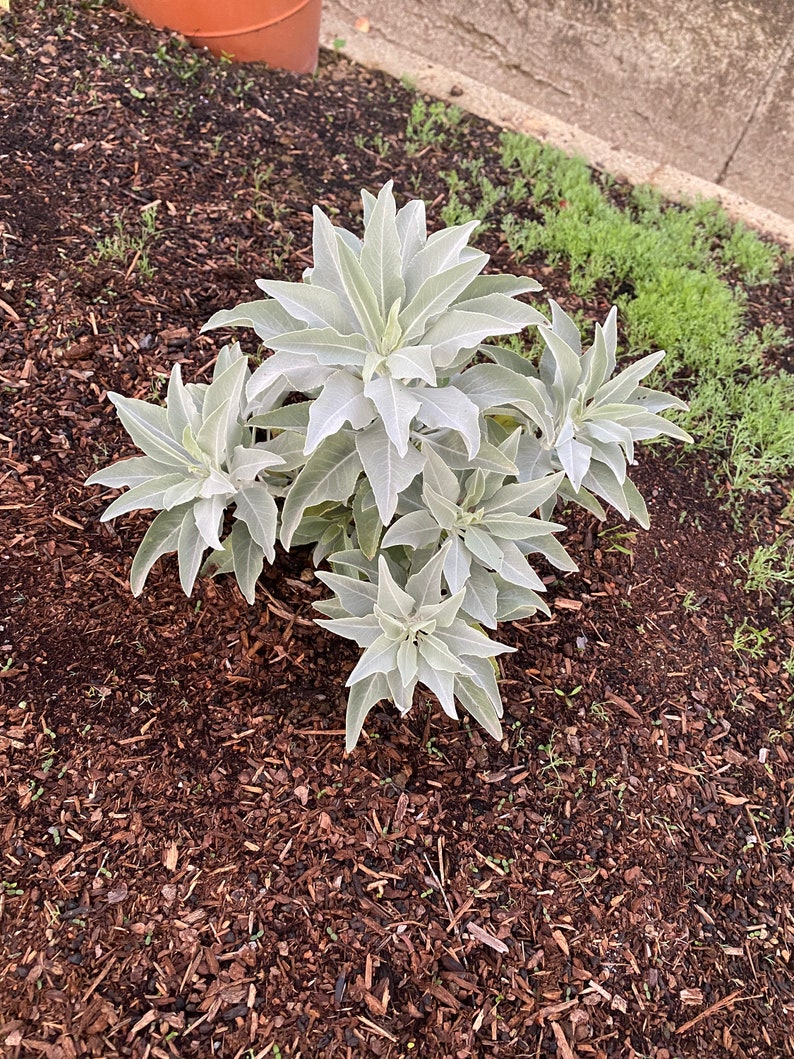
column 190, row 865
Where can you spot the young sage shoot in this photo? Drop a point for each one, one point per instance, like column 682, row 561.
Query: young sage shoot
column 389, row 429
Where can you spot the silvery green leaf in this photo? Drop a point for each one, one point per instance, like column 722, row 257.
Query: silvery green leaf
column 190, row 551
column 381, row 253
column 379, row 657
column 480, row 598
column 220, row 560
column 610, row 454
column 396, row 406
column 148, row 494
column 247, row 462
column 610, row 333
column 247, row 560
column 209, row 518
column 523, row 498
column 595, row 366
column 184, row 492
column 465, row 641
column 361, row 698
column 213, row 434
column 508, row 358
column 354, row 559
column 457, row 565
column 435, row 296
column 415, row 530
column 476, row 702
column 365, row 631
column 636, row 503
column 549, row 547
column 438, row 656
column 332, row 608
column 359, row 290
column 450, row 448
column 441, row 683
column 601, row 481
column 447, row 407
column 407, row 662
column 507, row 314
column 356, row 596
column 447, row 612
column 533, row 460
column 136, row 470
column 289, row 417
column 515, row 602
column 484, row 676
column 656, row 401
column 640, row 424
column 623, row 385
column 325, row 345
column 388, row 472
column 391, row 598
column 257, row 509
column 424, row 584
column 510, row 286
column 330, row 473
column 266, row 317
column 325, row 272
column 288, row 446
column 441, row 251
column 147, row 425
column 367, row 520
column 457, row 331
column 517, row 570
column 226, row 389
column 491, row 385
column 508, row 526
column 160, row 538
column 391, row 627
column 565, row 327
column 438, row 477
column 227, row 355
column 341, row 401
column 413, row 362
column 180, row 410
column 605, row 428
column 483, row 547
column 311, row 305
column 560, row 366
column 575, row 459
column 401, row 696
column 412, row 230
column 444, row 511
column 351, row 241
column 584, row 498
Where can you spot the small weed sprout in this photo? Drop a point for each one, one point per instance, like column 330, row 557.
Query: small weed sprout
column 768, row 566
column 124, row 243
column 750, row 641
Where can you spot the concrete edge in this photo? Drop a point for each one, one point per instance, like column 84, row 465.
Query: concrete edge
column 510, row 113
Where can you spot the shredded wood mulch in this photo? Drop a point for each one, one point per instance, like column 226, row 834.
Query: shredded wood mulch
column 191, row 866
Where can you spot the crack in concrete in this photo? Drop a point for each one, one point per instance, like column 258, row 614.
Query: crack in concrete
column 784, row 51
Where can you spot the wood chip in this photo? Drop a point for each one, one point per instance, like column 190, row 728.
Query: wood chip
column 487, row 939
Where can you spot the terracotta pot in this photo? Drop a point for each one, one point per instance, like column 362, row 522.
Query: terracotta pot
column 282, row 33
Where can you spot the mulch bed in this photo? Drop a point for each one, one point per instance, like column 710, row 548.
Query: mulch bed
column 191, row 866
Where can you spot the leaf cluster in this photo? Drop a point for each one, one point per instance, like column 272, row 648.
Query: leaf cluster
column 389, row 429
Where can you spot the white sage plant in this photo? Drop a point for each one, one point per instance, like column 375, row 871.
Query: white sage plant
column 422, row 462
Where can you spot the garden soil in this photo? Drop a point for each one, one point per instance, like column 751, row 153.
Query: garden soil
column 190, row 864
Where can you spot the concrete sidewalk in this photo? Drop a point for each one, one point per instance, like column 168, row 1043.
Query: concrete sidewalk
column 693, row 96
